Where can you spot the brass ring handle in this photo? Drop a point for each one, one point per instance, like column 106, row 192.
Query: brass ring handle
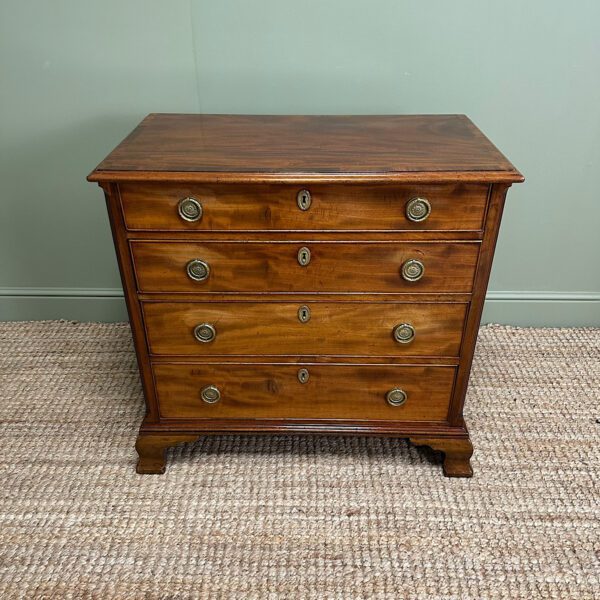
column 404, row 333
column 396, row 397
column 418, row 209
column 210, row 394
column 205, row 332
column 197, row 270
column 412, row 270
column 189, row 209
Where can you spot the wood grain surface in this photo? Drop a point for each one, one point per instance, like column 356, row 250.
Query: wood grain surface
column 334, row 266
column 273, row 391
column 153, row 207
column 213, row 147
column 273, row 328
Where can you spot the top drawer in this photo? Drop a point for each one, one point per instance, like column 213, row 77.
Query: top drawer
column 175, row 207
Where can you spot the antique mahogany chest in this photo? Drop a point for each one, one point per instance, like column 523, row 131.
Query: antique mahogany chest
column 305, row 274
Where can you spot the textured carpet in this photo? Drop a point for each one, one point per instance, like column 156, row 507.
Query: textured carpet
column 304, row 517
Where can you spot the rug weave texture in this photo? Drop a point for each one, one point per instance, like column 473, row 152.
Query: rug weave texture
column 297, row 517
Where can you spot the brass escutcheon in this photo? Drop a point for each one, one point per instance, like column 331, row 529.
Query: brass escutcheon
column 303, row 256
column 303, row 199
column 303, row 375
column 304, row 314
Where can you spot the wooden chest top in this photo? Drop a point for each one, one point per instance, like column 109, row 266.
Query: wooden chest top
column 230, row 148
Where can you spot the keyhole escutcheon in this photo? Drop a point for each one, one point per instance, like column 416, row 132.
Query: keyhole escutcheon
column 304, row 314
column 303, row 375
column 303, row 199
column 303, row 256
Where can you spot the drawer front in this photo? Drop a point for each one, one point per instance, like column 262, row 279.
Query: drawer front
column 266, row 391
column 332, row 266
column 152, row 207
column 275, row 328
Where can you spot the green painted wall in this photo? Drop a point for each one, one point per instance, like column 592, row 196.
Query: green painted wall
column 76, row 76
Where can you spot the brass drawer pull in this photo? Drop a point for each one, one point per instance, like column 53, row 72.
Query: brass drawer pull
column 197, row 270
column 396, row 397
column 413, row 270
column 189, row 209
column 304, row 314
column 210, row 394
column 404, row 333
column 303, row 199
column 418, row 209
column 303, row 256
column 303, row 375
column 205, row 332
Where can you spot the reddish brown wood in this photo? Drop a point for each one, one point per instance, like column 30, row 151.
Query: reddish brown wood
column 444, row 361
column 243, row 148
column 312, row 235
column 151, row 450
column 334, row 266
column 302, row 297
column 484, row 266
column 246, row 172
column 401, row 429
column 133, row 305
column 154, row 207
column 350, row 329
column 304, row 179
column 457, row 453
column 271, row 391
column 152, row 446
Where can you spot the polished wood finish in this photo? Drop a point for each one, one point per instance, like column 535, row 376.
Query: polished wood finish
column 273, row 328
column 360, row 171
column 454, row 207
column 482, row 275
column 151, row 451
column 457, row 453
column 274, row 391
column 134, row 308
column 334, row 266
column 234, row 148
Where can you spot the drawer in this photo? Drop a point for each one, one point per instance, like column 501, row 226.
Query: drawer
column 156, row 207
column 267, row 391
column 332, row 266
column 275, row 328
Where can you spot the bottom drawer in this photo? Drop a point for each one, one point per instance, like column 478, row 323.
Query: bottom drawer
column 323, row 391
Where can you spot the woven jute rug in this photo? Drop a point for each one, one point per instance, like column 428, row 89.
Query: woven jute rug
column 297, row 517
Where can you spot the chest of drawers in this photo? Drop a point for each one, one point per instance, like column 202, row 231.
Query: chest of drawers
column 305, row 274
